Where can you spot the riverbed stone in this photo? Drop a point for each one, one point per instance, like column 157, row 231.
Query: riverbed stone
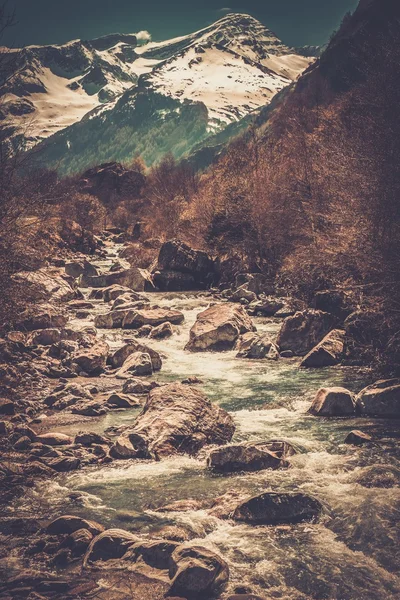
column 92, row 360
column 197, row 573
column 162, row 331
column 45, row 337
column 249, row 457
column 138, row 386
column 176, row 419
column 68, row 524
column 219, row 327
column 253, row 345
column 328, row 352
column 108, row 545
column 274, row 508
column 54, row 439
column 122, row 354
column 357, row 438
column 304, row 330
column 381, row 399
column 137, row 363
column 333, row 402
column 151, row 316
column 122, row 401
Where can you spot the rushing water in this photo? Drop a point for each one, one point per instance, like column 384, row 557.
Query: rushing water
column 350, row 555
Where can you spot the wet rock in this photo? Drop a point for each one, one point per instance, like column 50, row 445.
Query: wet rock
column 278, row 508
column 138, row 386
column 149, row 555
column 45, row 337
column 80, row 267
column 111, row 544
column 151, row 316
column 176, row 419
column 197, row 573
column 144, row 331
column 129, row 298
column 328, row 352
column 249, row 457
column 7, row 407
column 92, row 360
column 253, row 345
column 66, row 395
column 138, row 363
column 54, row 439
column 122, row 401
column 162, row 331
column 120, row 356
column 173, row 281
column 381, row 399
column 286, row 354
column 219, row 327
column 333, row 402
column 192, row 380
column 80, row 305
column 104, row 321
column 68, row 524
column 304, row 330
column 357, row 438
column 37, row 469
column 6, row 427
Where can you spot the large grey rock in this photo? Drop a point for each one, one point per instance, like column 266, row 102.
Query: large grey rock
column 162, row 331
column 76, row 268
column 278, row 508
column 120, row 356
column 249, row 457
column 333, row 402
column 253, row 345
column 219, row 327
column 54, row 439
column 134, row 278
column 304, row 330
column 328, row 352
column 197, row 573
column 381, row 399
column 176, row 419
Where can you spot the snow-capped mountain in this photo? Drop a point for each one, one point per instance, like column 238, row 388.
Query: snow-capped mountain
column 85, row 90
column 48, row 88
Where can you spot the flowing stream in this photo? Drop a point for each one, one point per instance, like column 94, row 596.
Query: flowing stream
column 351, row 554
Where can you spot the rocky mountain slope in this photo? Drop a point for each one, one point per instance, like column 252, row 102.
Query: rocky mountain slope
column 145, row 100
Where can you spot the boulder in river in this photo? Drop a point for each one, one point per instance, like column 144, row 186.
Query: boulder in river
column 68, row 524
column 76, row 268
column 138, row 364
column 253, row 345
column 249, row 457
column 92, row 360
column 43, row 316
column 180, row 268
column 381, row 399
column 328, row 352
column 219, row 327
column 151, row 316
column 110, row 544
column 134, row 278
column 162, row 331
column 54, row 439
column 274, row 508
column 333, row 402
column 197, row 573
column 304, row 330
column 45, row 337
column 120, row 356
column 358, row 438
column 176, row 419
column 138, row 386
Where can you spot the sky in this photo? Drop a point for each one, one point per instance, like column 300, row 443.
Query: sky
column 296, row 22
